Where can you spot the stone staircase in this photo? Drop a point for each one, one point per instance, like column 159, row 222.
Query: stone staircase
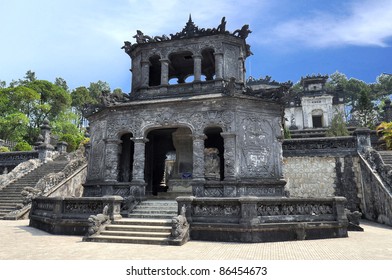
column 386, row 156
column 10, row 196
column 149, row 223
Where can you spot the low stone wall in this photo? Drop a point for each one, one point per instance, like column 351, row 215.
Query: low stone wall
column 255, row 219
column 323, row 167
column 67, row 215
column 10, row 160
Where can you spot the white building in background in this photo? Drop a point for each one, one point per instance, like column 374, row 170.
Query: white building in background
column 315, row 106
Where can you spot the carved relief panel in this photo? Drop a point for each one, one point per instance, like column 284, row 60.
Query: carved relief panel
column 96, row 160
column 256, row 145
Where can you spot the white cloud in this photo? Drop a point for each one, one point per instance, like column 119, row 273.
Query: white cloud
column 365, row 23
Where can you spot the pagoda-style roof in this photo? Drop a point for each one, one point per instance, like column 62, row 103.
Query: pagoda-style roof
column 313, row 79
column 189, row 31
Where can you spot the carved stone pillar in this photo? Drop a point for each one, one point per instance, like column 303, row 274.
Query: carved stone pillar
column 164, row 72
column 139, row 159
column 218, row 65
column 197, row 67
column 363, row 138
column 145, row 73
column 198, row 157
column 111, row 159
column 229, row 155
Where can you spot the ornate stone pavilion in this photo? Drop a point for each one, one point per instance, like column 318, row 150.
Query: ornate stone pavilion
column 207, row 135
column 191, row 129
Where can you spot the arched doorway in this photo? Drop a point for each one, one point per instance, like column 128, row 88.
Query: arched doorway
column 169, row 162
column 214, row 148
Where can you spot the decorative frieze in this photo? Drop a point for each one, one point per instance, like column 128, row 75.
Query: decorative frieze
column 82, row 207
column 304, row 208
column 217, row 210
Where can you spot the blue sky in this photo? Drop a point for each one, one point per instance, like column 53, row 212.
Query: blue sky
column 80, row 40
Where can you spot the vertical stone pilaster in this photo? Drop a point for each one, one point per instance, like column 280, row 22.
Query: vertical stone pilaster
column 164, row 72
column 197, row 67
column 229, row 155
column 198, row 157
column 111, row 159
column 218, row 65
column 241, row 74
column 139, row 159
column 145, row 65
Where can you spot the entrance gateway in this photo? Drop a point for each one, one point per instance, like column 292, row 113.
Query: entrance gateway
column 192, row 130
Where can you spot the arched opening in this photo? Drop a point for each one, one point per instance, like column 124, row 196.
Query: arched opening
column 169, row 160
column 126, row 158
column 155, row 71
column 181, row 66
column 213, row 154
column 208, row 64
column 317, row 118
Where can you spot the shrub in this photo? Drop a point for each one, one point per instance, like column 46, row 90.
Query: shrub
column 4, row 149
column 22, row 146
column 73, row 141
column 338, row 126
column 386, row 130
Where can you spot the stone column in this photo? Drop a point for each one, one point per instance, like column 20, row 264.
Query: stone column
column 197, row 67
column 139, row 159
column 145, row 73
column 198, row 157
column 218, row 66
column 45, row 149
column 363, row 138
column 164, row 72
column 111, row 159
column 229, row 155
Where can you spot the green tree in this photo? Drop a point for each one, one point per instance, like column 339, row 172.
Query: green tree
column 338, row 126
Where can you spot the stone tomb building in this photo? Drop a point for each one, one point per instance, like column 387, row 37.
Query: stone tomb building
column 205, row 135
column 315, row 106
column 192, row 130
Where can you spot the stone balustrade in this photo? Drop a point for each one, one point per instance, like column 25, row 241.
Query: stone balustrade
column 264, row 218
column 67, row 215
column 319, row 146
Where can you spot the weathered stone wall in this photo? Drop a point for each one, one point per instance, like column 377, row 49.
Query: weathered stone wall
column 72, row 187
column 324, row 176
column 310, row 176
column 323, row 167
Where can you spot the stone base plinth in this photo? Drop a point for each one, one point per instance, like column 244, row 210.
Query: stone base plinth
column 257, row 219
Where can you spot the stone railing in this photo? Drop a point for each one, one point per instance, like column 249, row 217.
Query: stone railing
column 59, row 215
column 215, row 86
column 264, row 219
column 345, row 145
column 51, row 182
column 11, row 159
column 376, row 187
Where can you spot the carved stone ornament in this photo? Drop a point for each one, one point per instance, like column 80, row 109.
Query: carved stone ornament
column 189, row 31
column 97, row 222
column 180, row 226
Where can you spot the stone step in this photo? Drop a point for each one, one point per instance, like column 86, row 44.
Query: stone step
column 135, row 233
column 158, row 203
column 150, row 216
column 128, row 239
column 146, row 222
column 154, row 211
column 138, row 228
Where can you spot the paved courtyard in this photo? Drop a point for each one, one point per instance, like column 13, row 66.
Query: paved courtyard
column 21, row 242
